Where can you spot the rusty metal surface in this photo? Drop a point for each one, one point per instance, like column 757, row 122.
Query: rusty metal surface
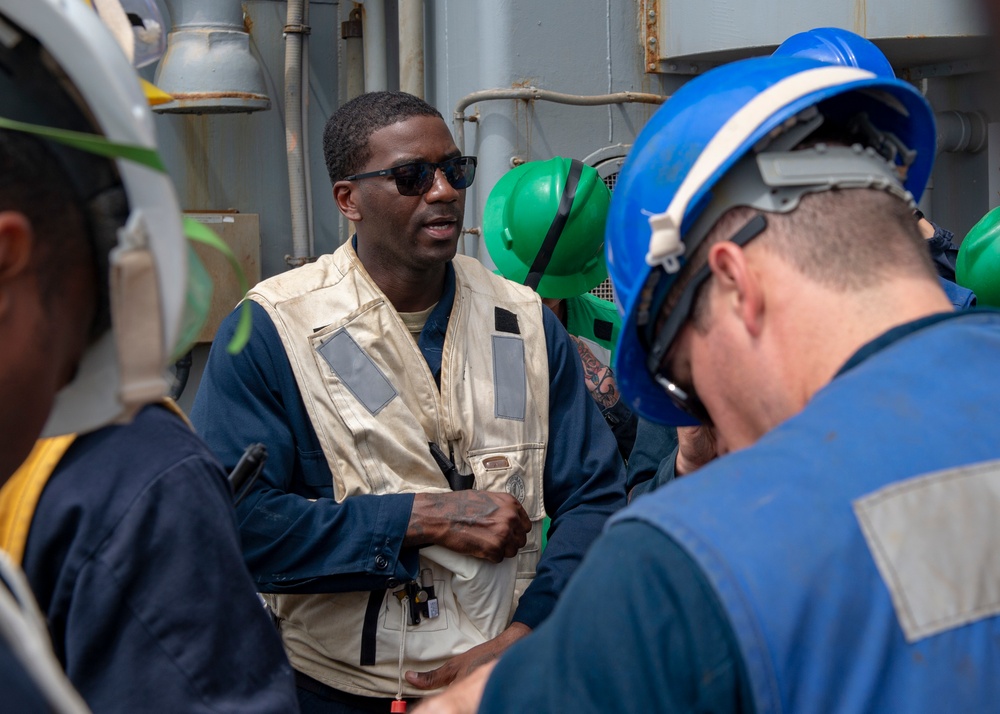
column 651, row 35
column 238, row 160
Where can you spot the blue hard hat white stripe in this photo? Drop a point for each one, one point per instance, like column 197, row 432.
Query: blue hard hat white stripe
column 665, row 244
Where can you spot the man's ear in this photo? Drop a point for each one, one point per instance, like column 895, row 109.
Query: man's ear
column 345, row 196
column 16, row 243
column 17, row 240
column 739, row 284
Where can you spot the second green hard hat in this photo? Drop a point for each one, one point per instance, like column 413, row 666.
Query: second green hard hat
column 524, row 208
column 978, row 264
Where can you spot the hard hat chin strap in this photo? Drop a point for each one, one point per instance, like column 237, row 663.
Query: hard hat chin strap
column 548, row 247
column 136, row 315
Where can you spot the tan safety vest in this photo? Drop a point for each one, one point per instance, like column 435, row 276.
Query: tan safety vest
column 375, row 406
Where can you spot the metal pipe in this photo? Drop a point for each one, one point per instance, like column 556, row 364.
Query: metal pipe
column 354, row 60
column 411, row 47
column 208, row 67
column 376, row 71
column 961, row 131
column 533, row 93
column 295, row 28
column 307, row 173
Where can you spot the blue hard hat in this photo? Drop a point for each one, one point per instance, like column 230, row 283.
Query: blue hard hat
column 670, row 178
column 836, row 46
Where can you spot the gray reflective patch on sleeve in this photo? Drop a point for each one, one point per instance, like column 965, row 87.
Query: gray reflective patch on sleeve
column 935, row 542
column 357, row 371
column 510, row 384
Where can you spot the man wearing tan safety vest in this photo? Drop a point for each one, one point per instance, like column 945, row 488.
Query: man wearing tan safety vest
column 422, row 416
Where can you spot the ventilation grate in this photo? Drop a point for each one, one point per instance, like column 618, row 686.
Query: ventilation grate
column 604, row 291
column 608, row 162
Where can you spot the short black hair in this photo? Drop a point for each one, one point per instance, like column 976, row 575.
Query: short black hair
column 34, row 183
column 847, row 239
column 347, row 131
column 74, row 200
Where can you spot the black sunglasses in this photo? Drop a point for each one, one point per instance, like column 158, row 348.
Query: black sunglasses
column 685, row 399
column 417, row 178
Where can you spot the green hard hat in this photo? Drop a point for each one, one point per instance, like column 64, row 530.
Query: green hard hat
column 537, row 237
column 978, row 265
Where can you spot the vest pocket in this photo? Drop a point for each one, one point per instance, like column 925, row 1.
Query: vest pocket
column 474, row 600
column 392, row 610
column 517, row 470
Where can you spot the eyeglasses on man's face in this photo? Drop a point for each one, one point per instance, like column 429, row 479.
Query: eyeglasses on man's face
column 417, row 178
column 684, row 399
column 658, row 362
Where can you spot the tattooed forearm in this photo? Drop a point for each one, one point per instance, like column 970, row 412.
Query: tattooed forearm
column 606, row 392
column 599, row 378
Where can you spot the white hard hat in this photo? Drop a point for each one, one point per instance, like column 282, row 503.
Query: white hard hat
column 148, row 261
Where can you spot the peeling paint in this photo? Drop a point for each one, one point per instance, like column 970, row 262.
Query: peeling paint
column 652, row 44
column 193, row 96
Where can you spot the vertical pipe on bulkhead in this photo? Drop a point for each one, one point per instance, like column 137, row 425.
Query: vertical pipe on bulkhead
column 353, row 36
column 411, row 47
column 306, row 173
column 295, row 29
column 376, row 71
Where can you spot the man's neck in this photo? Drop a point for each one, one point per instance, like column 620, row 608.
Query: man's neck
column 789, row 335
column 859, row 319
column 414, row 296
column 558, row 306
column 407, row 290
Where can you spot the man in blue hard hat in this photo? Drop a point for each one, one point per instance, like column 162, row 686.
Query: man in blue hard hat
column 837, row 46
column 841, row 556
